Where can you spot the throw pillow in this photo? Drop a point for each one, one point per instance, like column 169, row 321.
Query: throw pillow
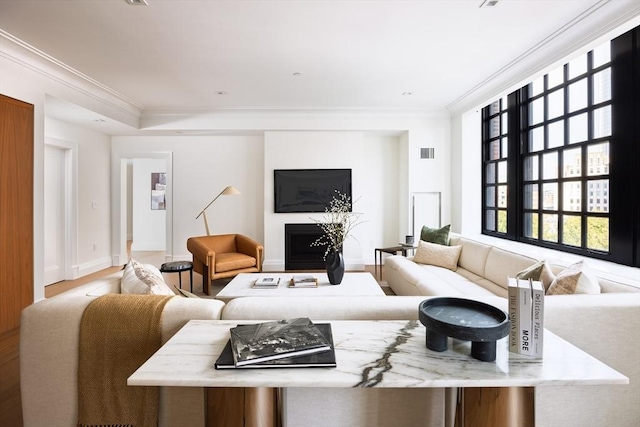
column 436, row 235
column 575, row 279
column 140, row 278
column 439, row 255
column 184, row 293
column 540, row 271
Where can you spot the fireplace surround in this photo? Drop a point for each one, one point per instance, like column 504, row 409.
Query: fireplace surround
column 298, row 252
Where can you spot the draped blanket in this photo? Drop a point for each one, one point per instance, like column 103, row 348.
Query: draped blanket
column 118, row 333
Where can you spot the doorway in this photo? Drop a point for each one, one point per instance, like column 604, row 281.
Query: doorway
column 120, row 213
column 59, row 210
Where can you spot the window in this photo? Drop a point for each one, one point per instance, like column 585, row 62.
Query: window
column 548, row 176
column 495, row 152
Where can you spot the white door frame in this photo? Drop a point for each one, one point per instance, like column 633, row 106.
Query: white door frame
column 119, row 201
column 71, row 269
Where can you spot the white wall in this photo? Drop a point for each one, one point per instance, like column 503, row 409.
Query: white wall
column 94, row 194
column 374, row 176
column 149, row 225
column 202, row 167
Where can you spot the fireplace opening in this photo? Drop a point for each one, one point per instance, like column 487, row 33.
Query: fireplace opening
column 298, row 252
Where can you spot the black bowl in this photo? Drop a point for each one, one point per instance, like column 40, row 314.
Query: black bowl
column 464, row 319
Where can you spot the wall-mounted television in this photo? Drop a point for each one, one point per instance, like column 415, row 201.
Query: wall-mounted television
column 308, row 190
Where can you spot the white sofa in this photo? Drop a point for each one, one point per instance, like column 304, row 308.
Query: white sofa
column 605, row 325
column 49, row 347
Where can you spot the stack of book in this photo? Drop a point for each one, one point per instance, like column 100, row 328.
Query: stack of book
column 526, row 313
column 266, row 282
column 303, row 281
column 297, row 343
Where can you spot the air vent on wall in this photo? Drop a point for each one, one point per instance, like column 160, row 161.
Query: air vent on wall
column 427, row 153
column 137, row 2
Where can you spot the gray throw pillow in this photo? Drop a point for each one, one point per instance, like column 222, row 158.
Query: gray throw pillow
column 438, row 236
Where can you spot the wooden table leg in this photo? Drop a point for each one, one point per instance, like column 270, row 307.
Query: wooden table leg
column 495, row 407
column 242, row 407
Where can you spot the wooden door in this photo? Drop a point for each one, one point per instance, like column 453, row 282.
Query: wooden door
column 16, row 246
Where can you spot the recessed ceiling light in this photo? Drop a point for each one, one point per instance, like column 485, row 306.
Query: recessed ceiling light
column 296, row 74
column 99, row 120
column 137, row 2
column 407, row 93
column 221, row 92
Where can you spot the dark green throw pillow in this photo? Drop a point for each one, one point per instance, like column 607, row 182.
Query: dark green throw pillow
column 439, row 236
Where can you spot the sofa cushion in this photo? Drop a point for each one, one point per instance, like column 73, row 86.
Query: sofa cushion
column 436, row 235
column 503, row 264
column 575, row 279
column 440, row 255
column 233, row 261
column 140, row 278
column 473, row 256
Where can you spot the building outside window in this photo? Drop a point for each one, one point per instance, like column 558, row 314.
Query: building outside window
column 547, row 159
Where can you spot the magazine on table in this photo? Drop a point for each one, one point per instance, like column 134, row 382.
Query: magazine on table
column 276, row 340
column 325, row 359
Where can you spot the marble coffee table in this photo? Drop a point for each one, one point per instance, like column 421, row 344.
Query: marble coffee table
column 353, row 284
column 369, row 354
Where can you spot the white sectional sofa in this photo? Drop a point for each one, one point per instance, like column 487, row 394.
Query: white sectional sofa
column 603, row 325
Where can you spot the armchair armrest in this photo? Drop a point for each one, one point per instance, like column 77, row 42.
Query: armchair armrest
column 201, row 251
column 250, row 247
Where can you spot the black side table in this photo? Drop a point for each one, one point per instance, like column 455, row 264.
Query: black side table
column 393, row 250
column 179, row 267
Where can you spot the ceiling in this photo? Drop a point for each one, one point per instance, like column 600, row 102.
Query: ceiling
column 199, row 55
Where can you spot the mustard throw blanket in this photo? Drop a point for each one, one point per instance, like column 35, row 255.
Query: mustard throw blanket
column 118, row 333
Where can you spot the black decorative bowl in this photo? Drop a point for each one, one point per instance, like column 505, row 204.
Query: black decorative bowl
column 466, row 320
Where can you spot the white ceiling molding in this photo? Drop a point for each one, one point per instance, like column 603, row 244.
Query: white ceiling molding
column 538, row 57
column 27, row 56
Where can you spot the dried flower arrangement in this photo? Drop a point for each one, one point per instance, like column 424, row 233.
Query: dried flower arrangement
column 337, row 223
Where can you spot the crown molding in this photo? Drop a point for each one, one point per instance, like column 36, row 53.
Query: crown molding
column 27, row 56
column 563, row 42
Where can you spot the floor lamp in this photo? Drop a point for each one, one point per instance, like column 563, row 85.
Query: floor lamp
column 229, row 191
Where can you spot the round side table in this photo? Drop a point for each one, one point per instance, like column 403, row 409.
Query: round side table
column 179, row 267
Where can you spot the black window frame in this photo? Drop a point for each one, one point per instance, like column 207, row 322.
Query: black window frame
column 624, row 158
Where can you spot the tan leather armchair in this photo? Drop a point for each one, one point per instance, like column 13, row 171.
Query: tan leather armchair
column 224, row 255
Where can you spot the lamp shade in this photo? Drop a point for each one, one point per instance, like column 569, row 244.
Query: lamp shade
column 230, row 191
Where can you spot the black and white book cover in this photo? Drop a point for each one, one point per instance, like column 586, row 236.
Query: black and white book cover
column 267, row 282
column 325, row 359
column 276, row 340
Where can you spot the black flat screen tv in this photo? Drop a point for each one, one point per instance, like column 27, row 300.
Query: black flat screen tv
column 308, row 190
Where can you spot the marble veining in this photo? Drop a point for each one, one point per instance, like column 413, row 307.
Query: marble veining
column 373, row 354
column 373, row 375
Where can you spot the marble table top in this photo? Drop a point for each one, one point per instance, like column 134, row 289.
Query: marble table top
column 372, row 354
column 353, row 284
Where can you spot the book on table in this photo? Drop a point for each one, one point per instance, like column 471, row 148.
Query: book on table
column 266, row 282
column 526, row 314
column 303, row 281
column 325, row 359
column 265, row 341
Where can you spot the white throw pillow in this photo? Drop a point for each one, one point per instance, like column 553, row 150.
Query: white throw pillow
column 140, row 278
column 575, row 279
column 438, row 255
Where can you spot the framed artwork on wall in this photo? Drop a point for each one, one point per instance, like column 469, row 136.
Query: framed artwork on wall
column 158, row 186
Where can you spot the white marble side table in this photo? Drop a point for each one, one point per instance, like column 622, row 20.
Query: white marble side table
column 395, row 356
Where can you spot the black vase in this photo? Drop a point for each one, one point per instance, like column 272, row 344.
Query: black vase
column 335, row 267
